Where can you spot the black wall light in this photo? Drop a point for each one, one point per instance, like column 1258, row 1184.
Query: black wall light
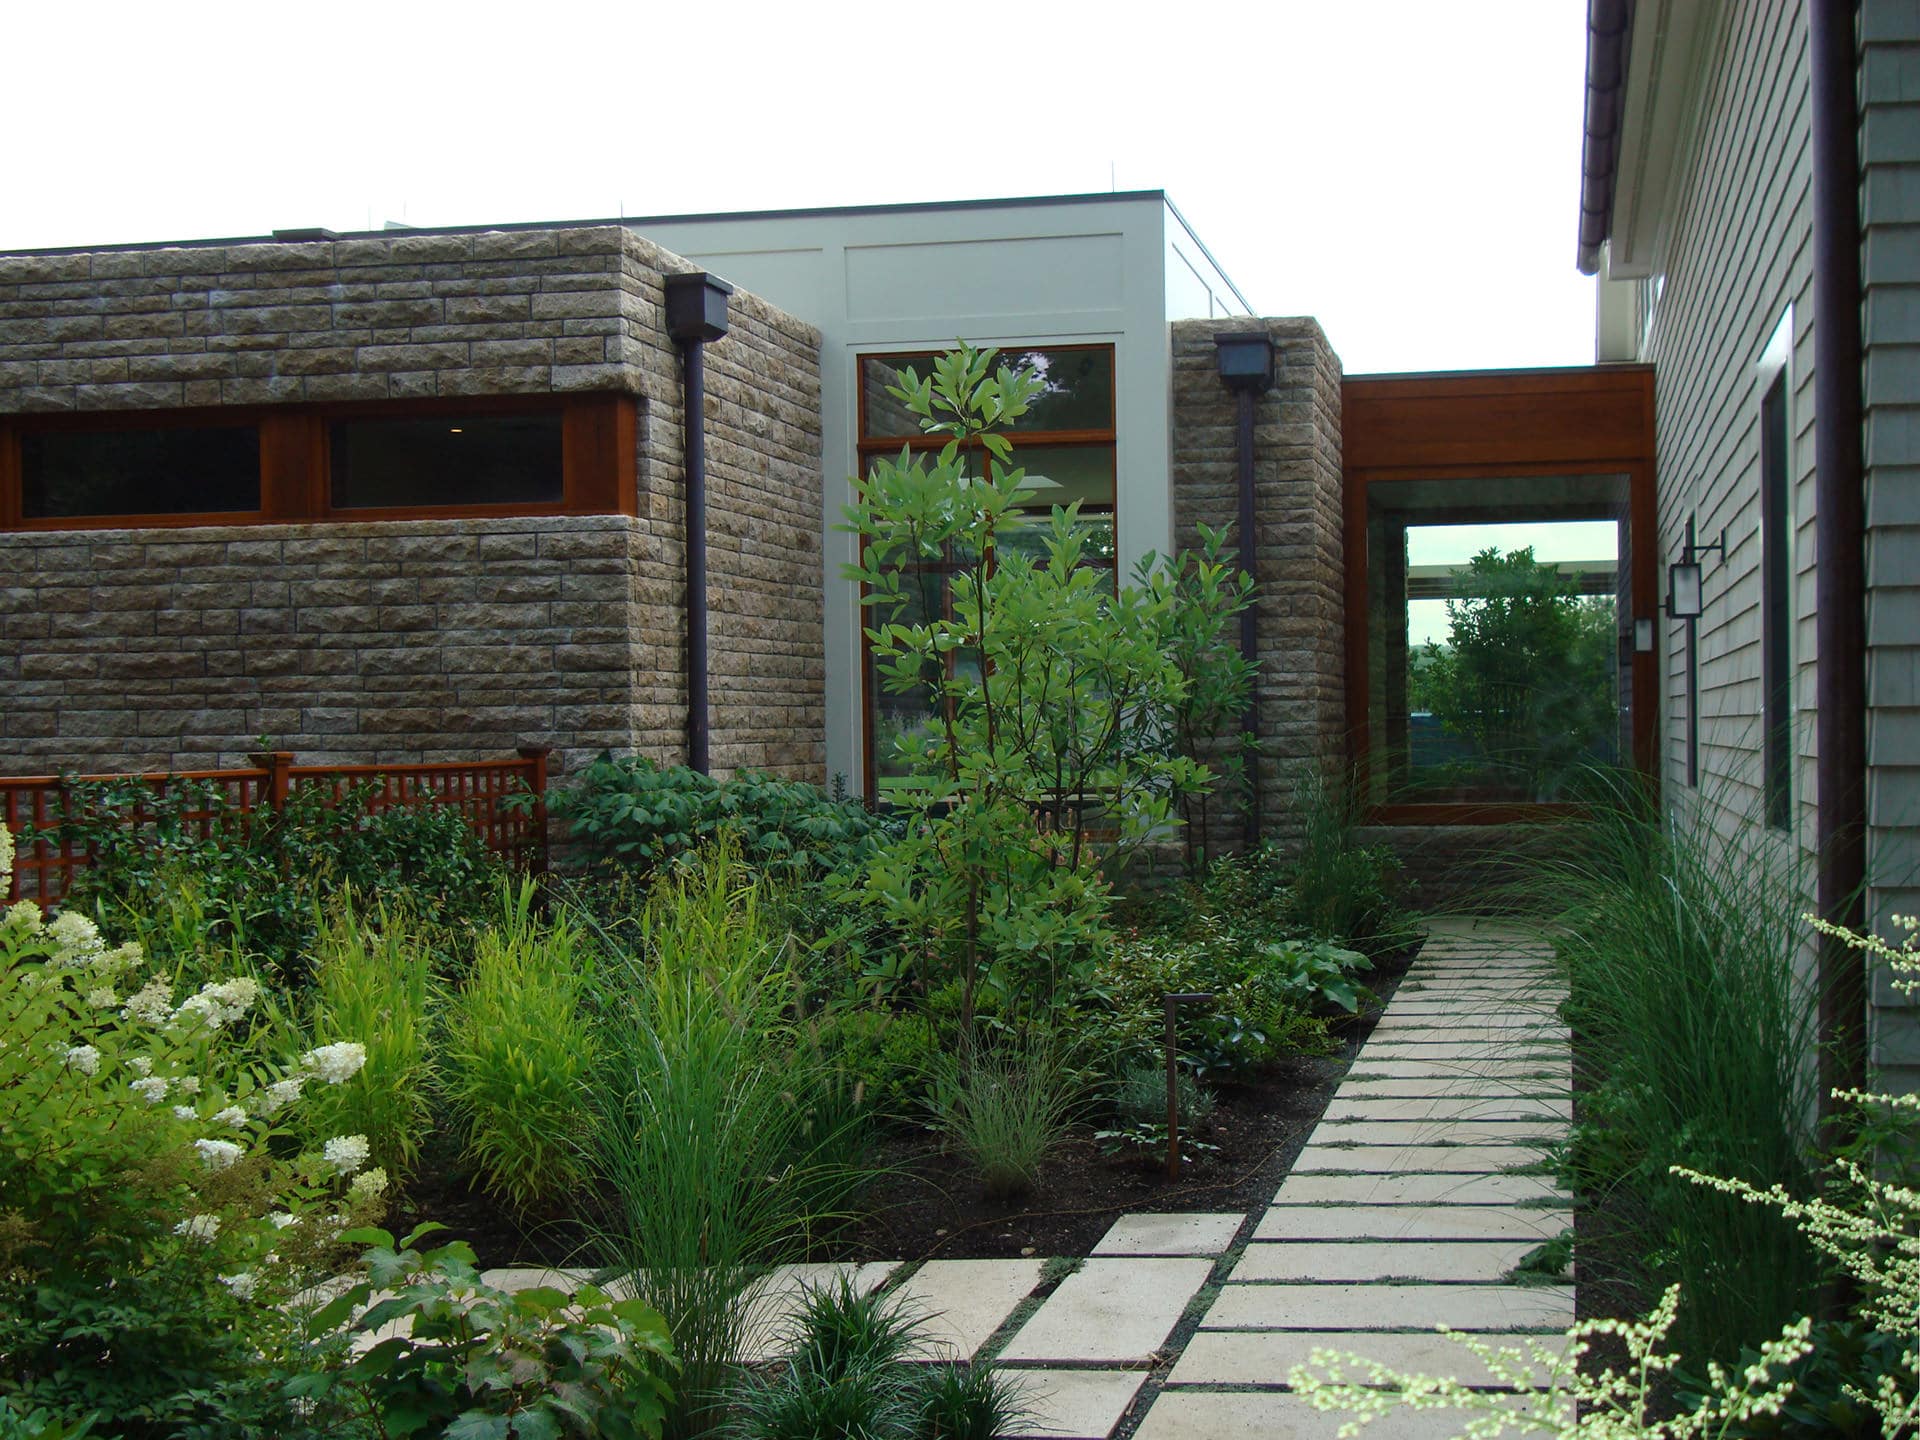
column 1686, row 600
column 1246, row 362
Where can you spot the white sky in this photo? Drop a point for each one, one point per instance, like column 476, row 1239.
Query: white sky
column 1407, row 172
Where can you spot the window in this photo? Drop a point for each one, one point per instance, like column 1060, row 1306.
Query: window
column 514, row 455
column 1776, row 621
column 1066, row 444
column 445, row 461
column 151, row 470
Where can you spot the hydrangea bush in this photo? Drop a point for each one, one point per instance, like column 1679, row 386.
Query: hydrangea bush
column 153, row 1211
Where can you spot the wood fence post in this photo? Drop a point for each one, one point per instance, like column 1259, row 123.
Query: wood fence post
column 277, row 764
column 536, row 758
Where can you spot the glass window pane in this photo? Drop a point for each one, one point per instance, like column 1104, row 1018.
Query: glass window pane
column 1497, row 655
column 1078, row 393
column 166, row 470
column 454, row 460
column 1061, row 474
column 881, row 414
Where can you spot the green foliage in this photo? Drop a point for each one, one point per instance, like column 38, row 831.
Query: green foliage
column 892, row 1055
column 373, row 983
column 859, row 1372
column 518, row 1057
column 1197, row 633
column 1052, row 695
column 153, row 1212
column 720, row 1137
column 474, row 1362
column 1006, row 1110
column 40, row 1424
column 635, row 815
column 1337, row 888
column 1140, row 1097
column 1680, row 972
column 1833, row 1385
column 1261, row 1010
column 182, row 871
column 1528, row 670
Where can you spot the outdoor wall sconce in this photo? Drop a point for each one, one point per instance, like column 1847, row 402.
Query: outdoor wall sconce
column 1245, row 358
column 1643, row 637
column 1686, row 597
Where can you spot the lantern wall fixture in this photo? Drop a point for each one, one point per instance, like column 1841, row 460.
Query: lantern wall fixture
column 1686, row 593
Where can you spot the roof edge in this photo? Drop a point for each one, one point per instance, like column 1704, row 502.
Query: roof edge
column 1609, row 38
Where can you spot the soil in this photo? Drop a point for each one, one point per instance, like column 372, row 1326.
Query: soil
column 925, row 1204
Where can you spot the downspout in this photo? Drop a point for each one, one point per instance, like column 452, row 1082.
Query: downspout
column 696, row 307
column 1246, row 363
column 1840, row 543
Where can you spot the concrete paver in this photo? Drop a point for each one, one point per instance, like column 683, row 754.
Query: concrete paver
column 1071, row 1404
column 1411, row 1222
column 1426, row 1132
column 1228, row 1357
column 962, row 1302
column 1420, row 1189
column 1391, row 1307
column 1320, row 1158
column 1170, row 1234
column 1437, row 1260
column 1204, row 1415
column 1114, row 1309
column 1448, row 1107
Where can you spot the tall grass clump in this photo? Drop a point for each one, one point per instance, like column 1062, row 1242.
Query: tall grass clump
column 1339, row 889
column 519, row 1055
column 1694, row 1047
column 1005, row 1110
column 720, row 1138
column 374, row 985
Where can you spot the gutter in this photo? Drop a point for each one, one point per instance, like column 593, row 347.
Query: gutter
column 1609, row 34
column 1840, row 669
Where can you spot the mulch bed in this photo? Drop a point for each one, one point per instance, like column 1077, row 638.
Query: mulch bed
column 925, row 1203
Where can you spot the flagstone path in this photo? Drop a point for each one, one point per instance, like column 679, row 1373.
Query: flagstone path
column 1409, row 1207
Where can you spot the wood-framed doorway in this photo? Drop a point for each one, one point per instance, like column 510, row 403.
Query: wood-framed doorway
column 1513, row 426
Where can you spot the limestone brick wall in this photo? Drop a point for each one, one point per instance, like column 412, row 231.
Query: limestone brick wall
column 1298, row 522
column 428, row 639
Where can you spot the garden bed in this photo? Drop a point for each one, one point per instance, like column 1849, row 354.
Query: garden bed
column 924, row 1203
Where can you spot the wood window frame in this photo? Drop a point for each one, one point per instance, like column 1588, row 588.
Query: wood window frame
column 869, row 447
column 1499, row 424
column 598, row 459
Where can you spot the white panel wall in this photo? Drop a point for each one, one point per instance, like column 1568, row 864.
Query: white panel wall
column 1083, row 270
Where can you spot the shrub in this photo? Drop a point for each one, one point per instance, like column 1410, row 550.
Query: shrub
column 891, row 1055
column 152, row 1216
column 373, row 984
column 1259, row 1012
column 720, row 1137
column 473, row 1360
column 257, row 882
column 1140, row 1098
column 519, row 1054
column 633, row 814
column 1006, row 1110
column 860, row 1371
column 1338, row 889
column 1680, row 975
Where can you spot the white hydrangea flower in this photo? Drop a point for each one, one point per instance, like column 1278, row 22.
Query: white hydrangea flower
column 240, row 1284
column 346, row 1153
column 140, row 1064
column 26, row 915
column 219, row 1154
column 281, row 1219
column 185, row 1112
column 101, row 997
column 370, row 1185
column 337, row 1063
column 84, row 1058
column 72, row 931
column 151, row 1004
column 277, row 1096
column 199, row 1227
column 6, row 853
column 233, row 1117
column 189, row 1084
column 151, row 1088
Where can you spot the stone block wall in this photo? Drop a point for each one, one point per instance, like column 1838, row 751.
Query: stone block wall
column 417, row 639
column 1298, row 541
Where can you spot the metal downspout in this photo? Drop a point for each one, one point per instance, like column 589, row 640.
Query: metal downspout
column 1840, row 545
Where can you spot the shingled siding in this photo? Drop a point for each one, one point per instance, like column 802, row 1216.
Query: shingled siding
column 433, row 639
column 1297, row 499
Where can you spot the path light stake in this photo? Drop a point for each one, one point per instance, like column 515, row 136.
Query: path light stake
column 1173, row 1003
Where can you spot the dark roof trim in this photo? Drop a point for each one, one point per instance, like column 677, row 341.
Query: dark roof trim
column 641, row 221
column 1609, row 35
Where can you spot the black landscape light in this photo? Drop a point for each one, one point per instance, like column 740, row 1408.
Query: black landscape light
column 697, row 306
